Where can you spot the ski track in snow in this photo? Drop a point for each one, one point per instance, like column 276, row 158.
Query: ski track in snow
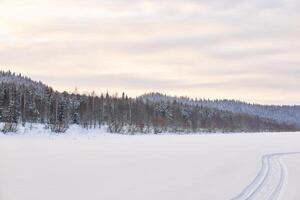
column 269, row 181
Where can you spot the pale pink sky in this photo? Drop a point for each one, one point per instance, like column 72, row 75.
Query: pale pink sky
column 241, row 49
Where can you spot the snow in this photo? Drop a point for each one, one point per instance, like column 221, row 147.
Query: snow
column 292, row 165
column 269, row 181
column 96, row 165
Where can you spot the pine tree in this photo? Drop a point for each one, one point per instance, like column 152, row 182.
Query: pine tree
column 14, row 106
column 1, row 103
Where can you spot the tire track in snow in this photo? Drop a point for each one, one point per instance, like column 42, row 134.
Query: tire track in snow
column 269, row 181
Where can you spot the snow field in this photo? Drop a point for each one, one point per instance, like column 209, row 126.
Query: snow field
column 117, row 167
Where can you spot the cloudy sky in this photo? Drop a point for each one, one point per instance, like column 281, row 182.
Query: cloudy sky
column 241, row 49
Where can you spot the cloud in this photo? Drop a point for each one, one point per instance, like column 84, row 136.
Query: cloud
column 211, row 46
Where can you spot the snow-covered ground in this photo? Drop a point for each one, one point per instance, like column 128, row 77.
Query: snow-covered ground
column 98, row 166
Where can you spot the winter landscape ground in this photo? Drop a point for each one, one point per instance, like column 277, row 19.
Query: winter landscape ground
column 95, row 165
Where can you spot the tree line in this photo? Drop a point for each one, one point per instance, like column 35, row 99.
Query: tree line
column 25, row 101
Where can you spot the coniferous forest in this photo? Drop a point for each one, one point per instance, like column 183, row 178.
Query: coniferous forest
column 23, row 100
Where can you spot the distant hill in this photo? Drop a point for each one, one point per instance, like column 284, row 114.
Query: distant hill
column 18, row 79
column 280, row 113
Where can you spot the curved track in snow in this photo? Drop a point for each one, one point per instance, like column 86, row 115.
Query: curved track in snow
column 269, row 181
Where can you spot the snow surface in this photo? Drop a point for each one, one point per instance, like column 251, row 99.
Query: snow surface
column 94, row 165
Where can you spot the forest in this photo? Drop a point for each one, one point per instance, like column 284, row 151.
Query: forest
column 23, row 100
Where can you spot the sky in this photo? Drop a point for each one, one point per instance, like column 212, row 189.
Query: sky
column 236, row 49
